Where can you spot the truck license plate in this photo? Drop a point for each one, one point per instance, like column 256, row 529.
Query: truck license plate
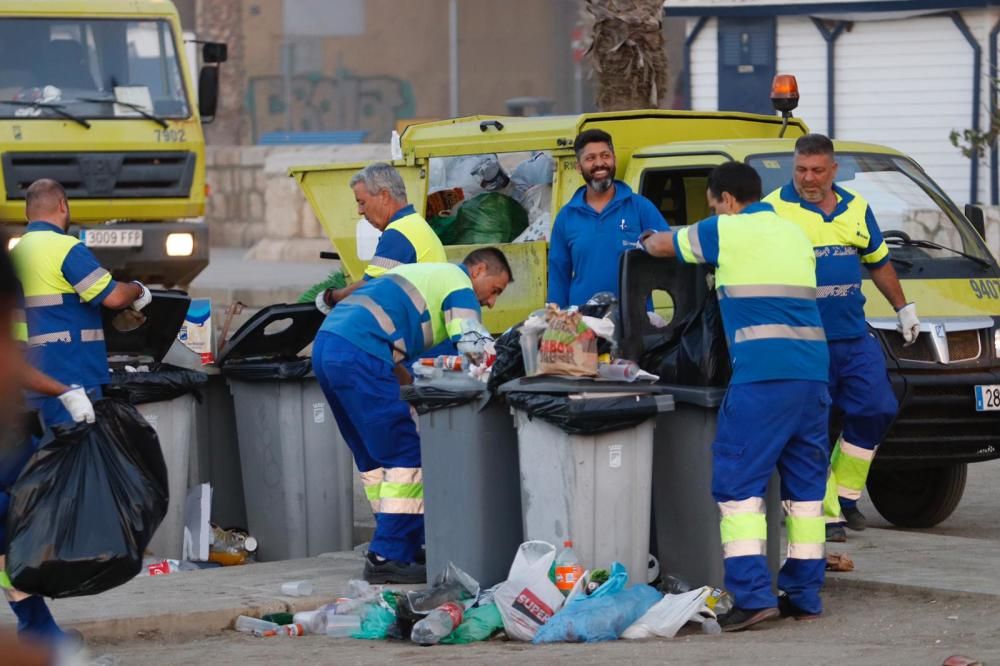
column 988, row 397
column 112, row 237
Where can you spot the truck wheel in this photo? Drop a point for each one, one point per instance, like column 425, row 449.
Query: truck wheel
column 918, row 497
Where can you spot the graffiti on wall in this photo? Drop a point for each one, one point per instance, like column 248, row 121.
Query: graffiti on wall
column 344, row 102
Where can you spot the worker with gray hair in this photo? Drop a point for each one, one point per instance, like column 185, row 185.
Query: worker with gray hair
column 406, row 236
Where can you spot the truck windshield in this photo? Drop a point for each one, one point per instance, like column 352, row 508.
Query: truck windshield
column 82, row 65
column 903, row 199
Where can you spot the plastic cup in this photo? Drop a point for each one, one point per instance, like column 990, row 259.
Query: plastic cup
column 297, row 588
column 342, row 626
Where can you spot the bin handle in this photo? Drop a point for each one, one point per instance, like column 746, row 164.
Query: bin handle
column 329, row 255
column 486, row 124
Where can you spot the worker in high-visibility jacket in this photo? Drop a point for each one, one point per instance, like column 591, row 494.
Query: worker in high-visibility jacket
column 845, row 235
column 776, row 409
column 359, row 357
column 64, row 290
column 406, row 237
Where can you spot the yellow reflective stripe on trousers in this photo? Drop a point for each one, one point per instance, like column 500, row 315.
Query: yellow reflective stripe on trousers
column 850, row 465
column 402, row 491
column 806, row 529
column 372, row 481
column 831, row 501
column 743, row 527
column 5, row 581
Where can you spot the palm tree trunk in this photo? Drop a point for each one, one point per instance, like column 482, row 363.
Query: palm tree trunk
column 627, row 53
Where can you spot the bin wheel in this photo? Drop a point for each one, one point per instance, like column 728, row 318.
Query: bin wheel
column 917, row 497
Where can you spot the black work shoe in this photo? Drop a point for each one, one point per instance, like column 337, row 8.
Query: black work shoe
column 855, row 519
column 739, row 619
column 788, row 609
column 379, row 571
column 421, row 556
column 835, row 533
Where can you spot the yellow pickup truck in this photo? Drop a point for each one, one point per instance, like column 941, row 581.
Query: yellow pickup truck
column 97, row 94
column 948, row 383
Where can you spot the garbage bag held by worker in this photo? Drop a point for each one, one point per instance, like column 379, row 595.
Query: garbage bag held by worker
column 585, row 416
column 528, row 598
column 489, row 218
column 165, row 382
column 86, row 506
column 671, row 613
column 568, row 347
column 602, row 619
column 698, row 356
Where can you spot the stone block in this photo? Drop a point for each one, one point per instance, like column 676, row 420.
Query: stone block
column 281, row 208
column 255, row 203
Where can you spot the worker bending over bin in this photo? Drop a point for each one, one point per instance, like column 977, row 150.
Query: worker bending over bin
column 359, row 357
column 776, row 409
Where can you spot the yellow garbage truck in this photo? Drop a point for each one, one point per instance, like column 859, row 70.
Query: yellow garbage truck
column 98, row 95
column 948, row 383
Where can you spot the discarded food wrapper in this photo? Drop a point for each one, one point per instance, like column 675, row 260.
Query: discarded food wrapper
column 839, row 562
column 602, row 328
column 231, row 547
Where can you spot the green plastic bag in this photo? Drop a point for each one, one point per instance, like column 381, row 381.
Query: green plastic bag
column 489, row 218
column 444, row 227
column 478, row 624
column 375, row 624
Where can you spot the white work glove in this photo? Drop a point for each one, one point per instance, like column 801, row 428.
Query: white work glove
column 908, row 324
column 321, row 303
column 474, row 340
column 144, row 298
column 78, row 405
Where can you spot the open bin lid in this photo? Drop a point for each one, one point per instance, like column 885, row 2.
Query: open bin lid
column 164, row 318
column 277, row 332
column 567, row 385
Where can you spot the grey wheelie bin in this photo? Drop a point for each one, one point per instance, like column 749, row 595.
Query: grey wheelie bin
column 166, row 396
column 686, row 517
column 472, row 493
column 297, row 478
column 586, row 458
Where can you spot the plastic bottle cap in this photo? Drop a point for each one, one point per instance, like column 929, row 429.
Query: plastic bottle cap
column 250, row 544
column 568, row 543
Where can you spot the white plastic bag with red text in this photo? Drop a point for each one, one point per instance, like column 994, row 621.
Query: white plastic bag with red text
column 529, row 598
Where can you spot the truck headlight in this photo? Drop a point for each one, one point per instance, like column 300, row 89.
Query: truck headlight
column 180, row 245
column 996, row 342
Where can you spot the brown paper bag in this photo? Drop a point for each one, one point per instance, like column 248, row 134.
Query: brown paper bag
column 568, row 346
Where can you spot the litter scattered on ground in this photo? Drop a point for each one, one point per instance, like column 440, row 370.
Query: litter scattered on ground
column 839, row 562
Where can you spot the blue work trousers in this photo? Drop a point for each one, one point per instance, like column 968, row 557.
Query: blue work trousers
column 763, row 426
column 377, row 425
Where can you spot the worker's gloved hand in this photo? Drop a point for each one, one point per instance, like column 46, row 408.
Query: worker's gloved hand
column 78, row 405
column 908, row 323
column 474, row 339
column 144, row 298
column 322, row 304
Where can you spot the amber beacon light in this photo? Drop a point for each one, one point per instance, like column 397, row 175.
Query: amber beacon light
column 784, row 97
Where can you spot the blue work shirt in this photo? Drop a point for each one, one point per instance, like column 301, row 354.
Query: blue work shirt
column 585, row 245
column 842, row 240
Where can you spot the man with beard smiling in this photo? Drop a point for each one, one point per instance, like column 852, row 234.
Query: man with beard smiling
column 603, row 219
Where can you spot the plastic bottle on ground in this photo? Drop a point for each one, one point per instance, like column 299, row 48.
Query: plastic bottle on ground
column 254, row 625
column 342, row 626
column 568, row 568
column 437, row 624
column 314, row 621
column 719, row 601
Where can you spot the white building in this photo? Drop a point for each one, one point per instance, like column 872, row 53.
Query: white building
column 902, row 73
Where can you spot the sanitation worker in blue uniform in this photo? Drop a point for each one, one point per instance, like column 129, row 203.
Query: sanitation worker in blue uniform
column 406, row 237
column 603, row 219
column 776, row 409
column 845, row 235
column 359, row 357
column 64, row 290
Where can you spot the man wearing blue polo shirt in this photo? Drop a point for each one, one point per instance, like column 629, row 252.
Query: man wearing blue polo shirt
column 406, row 237
column 603, row 219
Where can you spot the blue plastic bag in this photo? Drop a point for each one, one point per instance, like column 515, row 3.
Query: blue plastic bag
column 602, row 618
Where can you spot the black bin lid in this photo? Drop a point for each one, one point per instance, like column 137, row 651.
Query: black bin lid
column 164, row 318
column 278, row 331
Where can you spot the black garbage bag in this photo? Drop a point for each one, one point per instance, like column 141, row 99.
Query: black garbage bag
column 264, row 371
column 164, row 382
column 693, row 353
column 427, row 398
column 589, row 416
column 85, row 507
column 509, row 363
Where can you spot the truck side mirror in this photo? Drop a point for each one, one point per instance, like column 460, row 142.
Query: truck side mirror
column 208, row 92
column 214, row 52
column 975, row 215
